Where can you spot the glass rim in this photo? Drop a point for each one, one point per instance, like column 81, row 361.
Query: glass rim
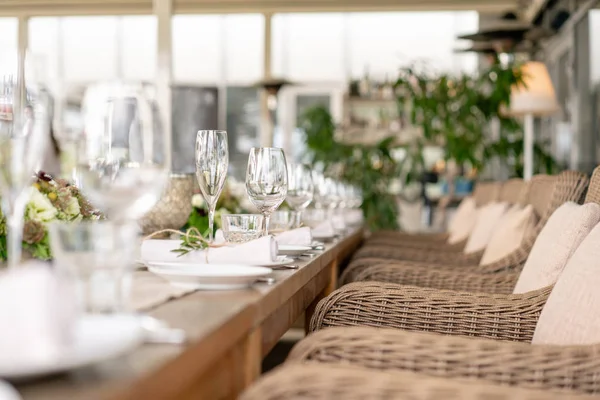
column 242, row 215
column 210, row 131
column 266, row 148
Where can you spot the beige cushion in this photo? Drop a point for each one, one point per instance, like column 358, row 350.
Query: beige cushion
column 566, row 228
column 510, row 233
column 571, row 315
column 488, row 218
column 463, row 221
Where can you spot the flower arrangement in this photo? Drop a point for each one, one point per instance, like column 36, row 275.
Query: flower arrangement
column 50, row 200
column 233, row 200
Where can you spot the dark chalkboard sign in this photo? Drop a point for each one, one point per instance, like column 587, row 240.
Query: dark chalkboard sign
column 194, row 108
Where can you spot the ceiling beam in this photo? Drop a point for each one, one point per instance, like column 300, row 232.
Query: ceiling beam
column 132, row 7
column 533, row 9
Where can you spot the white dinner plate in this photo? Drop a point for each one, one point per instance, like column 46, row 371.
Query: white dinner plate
column 293, row 250
column 208, row 276
column 324, row 238
column 281, row 260
column 95, row 338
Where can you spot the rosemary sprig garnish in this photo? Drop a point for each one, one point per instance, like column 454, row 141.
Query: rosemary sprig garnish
column 192, row 240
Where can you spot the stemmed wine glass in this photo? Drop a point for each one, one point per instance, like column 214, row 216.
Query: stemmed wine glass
column 300, row 189
column 212, row 161
column 124, row 162
column 24, row 134
column 266, row 180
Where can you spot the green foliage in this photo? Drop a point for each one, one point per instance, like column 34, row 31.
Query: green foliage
column 371, row 168
column 455, row 112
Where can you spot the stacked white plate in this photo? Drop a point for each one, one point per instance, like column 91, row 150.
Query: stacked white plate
column 95, row 338
column 208, row 276
column 293, row 250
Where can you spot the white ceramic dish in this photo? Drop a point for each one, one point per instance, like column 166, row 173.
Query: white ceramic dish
column 293, row 250
column 281, row 260
column 208, row 276
column 96, row 338
column 323, row 238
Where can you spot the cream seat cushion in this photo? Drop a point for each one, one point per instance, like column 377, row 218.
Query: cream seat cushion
column 571, row 314
column 463, row 221
column 562, row 234
column 509, row 234
column 487, row 221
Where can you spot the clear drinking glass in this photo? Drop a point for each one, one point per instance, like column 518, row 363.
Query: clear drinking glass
column 124, row 160
column 24, row 137
column 241, row 228
column 266, row 180
column 97, row 257
column 320, row 189
column 212, row 161
column 281, row 221
column 300, row 190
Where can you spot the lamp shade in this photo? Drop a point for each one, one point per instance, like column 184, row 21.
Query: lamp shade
column 535, row 95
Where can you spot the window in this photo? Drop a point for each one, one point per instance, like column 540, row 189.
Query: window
column 90, row 48
column 243, row 114
column 380, row 43
column 8, row 34
column 309, row 47
column 197, row 49
column 138, row 47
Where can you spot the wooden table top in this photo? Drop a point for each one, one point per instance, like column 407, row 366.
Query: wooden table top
column 213, row 322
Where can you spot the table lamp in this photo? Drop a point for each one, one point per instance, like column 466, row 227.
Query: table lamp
column 534, row 97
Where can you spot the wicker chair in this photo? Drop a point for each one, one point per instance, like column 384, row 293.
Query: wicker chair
column 512, row 191
column 546, row 194
column 484, row 193
column 315, row 382
column 460, row 334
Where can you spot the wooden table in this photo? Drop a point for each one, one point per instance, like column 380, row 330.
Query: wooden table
column 229, row 334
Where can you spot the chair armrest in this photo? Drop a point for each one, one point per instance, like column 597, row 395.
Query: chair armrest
column 500, row 283
column 405, row 236
column 576, row 368
column 326, row 382
column 357, row 265
column 415, row 244
column 388, row 305
column 426, row 255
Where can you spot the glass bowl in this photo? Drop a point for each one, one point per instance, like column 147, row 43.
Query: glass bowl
column 241, row 228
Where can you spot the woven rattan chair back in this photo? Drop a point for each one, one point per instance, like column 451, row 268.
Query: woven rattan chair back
column 512, row 190
column 546, row 194
column 486, row 192
column 593, row 193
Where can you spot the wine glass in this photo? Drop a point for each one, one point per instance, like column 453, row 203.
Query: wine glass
column 320, row 189
column 332, row 198
column 266, row 180
column 300, row 189
column 24, row 136
column 212, row 161
column 124, row 160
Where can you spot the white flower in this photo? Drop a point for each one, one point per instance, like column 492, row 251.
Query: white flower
column 40, row 208
column 72, row 209
column 198, row 201
column 237, row 189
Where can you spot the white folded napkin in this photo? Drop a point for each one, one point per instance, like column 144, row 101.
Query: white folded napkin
column 338, row 222
column 37, row 315
column 353, row 217
column 324, row 229
column 299, row 237
column 8, row 392
column 261, row 251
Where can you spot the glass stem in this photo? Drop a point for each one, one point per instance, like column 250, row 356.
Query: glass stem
column 211, row 223
column 298, row 218
column 15, row 213
column 267, row 220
